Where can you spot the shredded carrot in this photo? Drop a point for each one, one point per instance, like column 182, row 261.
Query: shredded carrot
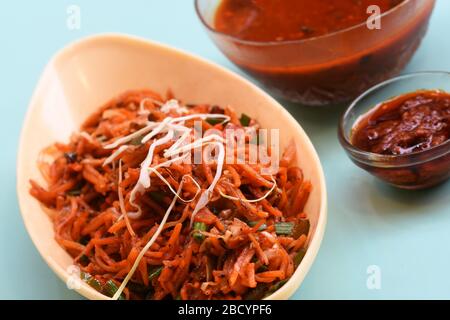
column 117, row 226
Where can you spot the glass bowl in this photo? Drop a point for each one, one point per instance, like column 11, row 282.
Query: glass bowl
column 332, row 69
column 417, row 170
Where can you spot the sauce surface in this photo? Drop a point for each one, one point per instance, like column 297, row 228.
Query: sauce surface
column 275, row 20
column 405, row 124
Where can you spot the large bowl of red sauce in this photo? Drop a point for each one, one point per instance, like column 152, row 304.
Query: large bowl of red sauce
column 317, row 52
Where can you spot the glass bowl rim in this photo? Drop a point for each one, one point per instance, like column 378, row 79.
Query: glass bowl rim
column 370, row 157
column 289, row 42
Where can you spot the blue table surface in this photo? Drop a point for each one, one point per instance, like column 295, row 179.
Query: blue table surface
column 405, row 234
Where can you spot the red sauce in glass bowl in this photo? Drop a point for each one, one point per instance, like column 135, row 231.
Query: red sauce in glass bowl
column 280, row 20
column 404, row 140
column 406, row 124
column 319, row 52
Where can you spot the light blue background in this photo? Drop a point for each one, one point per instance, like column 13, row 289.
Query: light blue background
column 407, row 234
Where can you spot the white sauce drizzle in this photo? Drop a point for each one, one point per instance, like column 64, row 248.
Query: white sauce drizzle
column 115, row 154
column 204, row 198
column 173, row 105
column 136, row 134
column 169, row 125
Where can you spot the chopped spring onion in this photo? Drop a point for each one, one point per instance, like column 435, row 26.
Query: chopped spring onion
column 110, row 289
column 284, row 228
column 198, row 227
column 254, row 223
column 91, row 281
column 245, row 120
column 214, row 121
column 84, row 276
column 154, row 273
column 292, row 229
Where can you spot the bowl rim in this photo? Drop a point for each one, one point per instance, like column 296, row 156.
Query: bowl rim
column 294, row 282
column 371, row 157
column 289, row 42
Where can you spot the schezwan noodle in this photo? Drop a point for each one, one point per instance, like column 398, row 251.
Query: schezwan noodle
column 143, row 224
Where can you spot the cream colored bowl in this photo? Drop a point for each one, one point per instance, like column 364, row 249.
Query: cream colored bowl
column 89, row 72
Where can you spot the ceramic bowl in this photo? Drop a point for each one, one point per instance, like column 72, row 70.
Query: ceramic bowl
column 85, row 74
